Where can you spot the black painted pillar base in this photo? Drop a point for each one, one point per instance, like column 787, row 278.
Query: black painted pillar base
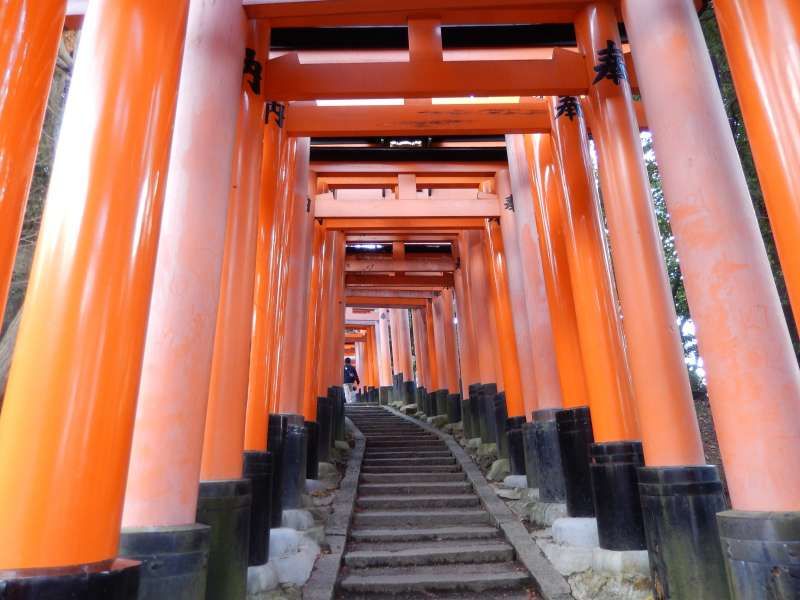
column 552, row 487
column 430, row 404
column 174, row 560
column 680, row 506
column 336, row 394
column 488, row 393
column 258, row 469
column 409, row 392
column 384, row 394
column 466, row 418
column 422, row 394
column 453, row 408
column 276, row 438
column 762, row 553
column 615, row 487
column 500, row 412
column 225, row 507
column 575, row 436
column 531, row 458
column 116, row 579
column 474, row 400
column 440, row 397
column 516, row 446
column 325, row 426
column 312, row 450
column 479, row 410
column 293, row 464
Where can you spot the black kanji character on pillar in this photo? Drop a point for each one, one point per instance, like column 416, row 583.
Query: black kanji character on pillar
column 568, row 106
column 253, row 67
column 278, row 109
column 612, row 64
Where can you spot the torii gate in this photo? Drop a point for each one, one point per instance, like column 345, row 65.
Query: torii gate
column 120, row 325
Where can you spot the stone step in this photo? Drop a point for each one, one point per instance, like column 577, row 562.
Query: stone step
column 411, row 477
column 407, row 445
column 406, row 453
column 391, row 462
column 409, row 501
column 430, row 487
column 420, row 518
column 422, row 534
column 471, row 578
column 407, row 468
column 373, row 438
column 447, row 553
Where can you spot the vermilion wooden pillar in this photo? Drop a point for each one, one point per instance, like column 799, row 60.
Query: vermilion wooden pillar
column 516, row 288
column 71, row 394
column 325, row 377
column 762, row 42
column 180, row 332
column 340, row 309
column 548, row 384
column 446, row 357
column 498, row 277
column 420, row 347
column 485, row 336
column 384, row 353
column 434, row 377
column 678, row 493
column 223, row 441
column 752, row 373
column 600, row 332
column 278, row 278
column 289, row 371
column 275, row 155
column 470, row 369
column 313, row 334
column 553, row 250
column 31, row 31
column 401, row 340
column 668, row 424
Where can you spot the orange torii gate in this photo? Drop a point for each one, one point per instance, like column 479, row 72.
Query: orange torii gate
column 138, row 308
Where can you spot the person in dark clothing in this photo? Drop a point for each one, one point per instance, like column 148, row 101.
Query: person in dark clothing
column 351, row 380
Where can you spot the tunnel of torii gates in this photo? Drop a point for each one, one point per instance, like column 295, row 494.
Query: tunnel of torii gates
column 241, row 196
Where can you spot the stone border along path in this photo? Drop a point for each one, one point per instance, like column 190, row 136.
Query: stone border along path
column 381, row 561
column 322, row 583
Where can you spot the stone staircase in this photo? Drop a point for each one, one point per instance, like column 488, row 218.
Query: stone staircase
column 419, row 530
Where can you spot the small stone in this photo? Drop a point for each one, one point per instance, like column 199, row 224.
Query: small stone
column 295, row 567
column 474, row 443
column 315, row 486
column 499, row 469
column 566, row 559
column 343, row 446
column 327, row 471
column 516, row 482
column 618, row 562
column 409, row 409
column 508, row 494
column 261, row 579
column 576, row 531
column 438, row 421
column 316, row 533
column 283, row 541
column 298, row 519
column 546, row 513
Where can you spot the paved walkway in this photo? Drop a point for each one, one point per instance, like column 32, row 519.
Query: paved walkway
column 419, row 530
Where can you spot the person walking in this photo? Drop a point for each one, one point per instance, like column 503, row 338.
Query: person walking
column 351, row 380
